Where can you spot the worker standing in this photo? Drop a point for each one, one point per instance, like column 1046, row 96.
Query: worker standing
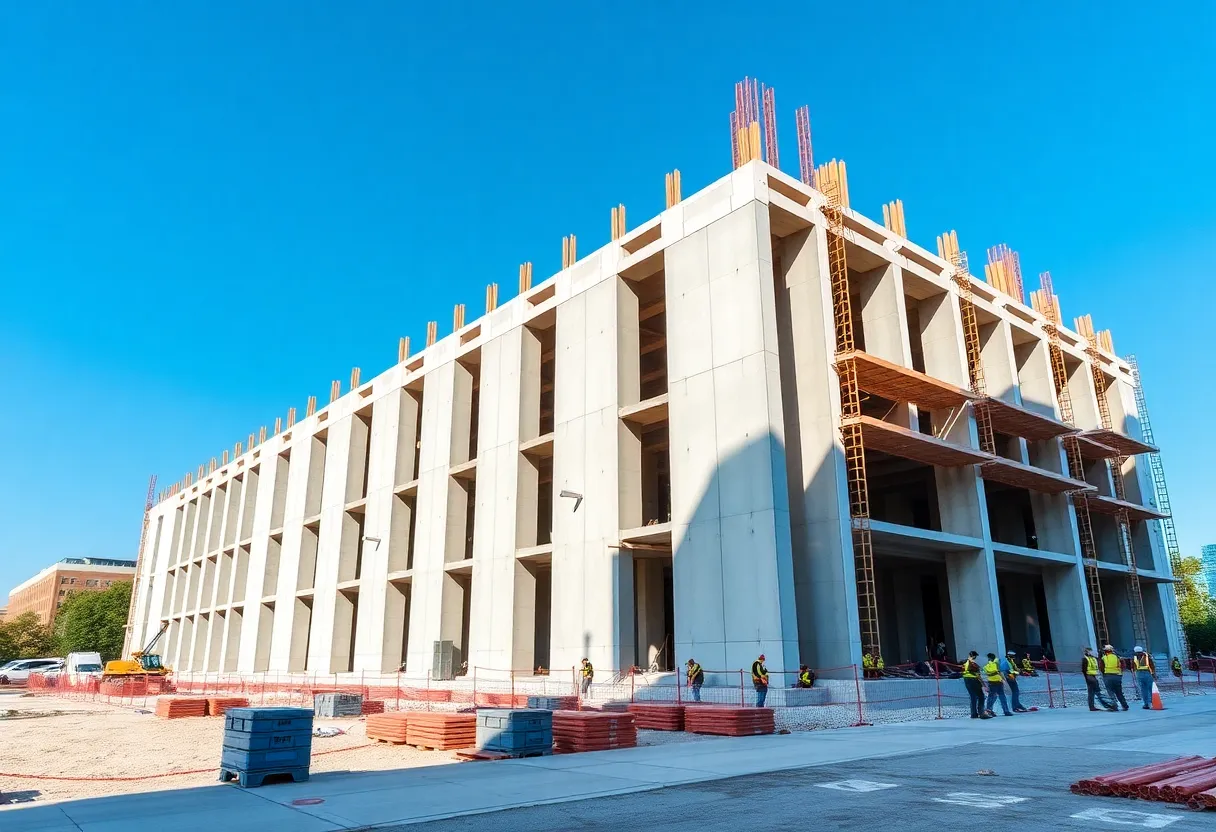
column 696, row 678
column 1009, row 669
column 760, row 680
column 588, row 674
column 996, row 686
column 1112, row 675
column 1090, row 670
column 1176, row 667
column 975, row 688
column 867, row 665
column 1142, row 662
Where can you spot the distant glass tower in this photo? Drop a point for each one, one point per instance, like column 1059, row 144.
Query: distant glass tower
column 1208, row 556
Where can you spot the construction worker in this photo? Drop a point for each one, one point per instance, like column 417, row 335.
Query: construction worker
column 1028, row 666
column 1142, row 664
column 867, row 665
column 760, row 680
column 878, row 666
column 1176, row 667
column 1112, row 675
column 1009, row 669
column 1090, row 670
column 588, row 674
column 996, row 686
column 806, row 678
column 975, row 688
column 696, row 678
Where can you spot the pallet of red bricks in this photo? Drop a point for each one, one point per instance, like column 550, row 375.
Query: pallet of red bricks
column 175, row 707
column 658, row 716
column 593, row 731
column 728, row 721
column 440, row 731
column 373, row 706
column 218, row 705
column 389, row 727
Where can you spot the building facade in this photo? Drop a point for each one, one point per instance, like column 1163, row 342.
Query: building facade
column 639, row 460
column 45, row 593
column 1207, row 555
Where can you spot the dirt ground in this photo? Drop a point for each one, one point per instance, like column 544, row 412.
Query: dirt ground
column 50, row 736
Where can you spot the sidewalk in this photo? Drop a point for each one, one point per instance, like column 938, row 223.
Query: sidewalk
column 356, row 800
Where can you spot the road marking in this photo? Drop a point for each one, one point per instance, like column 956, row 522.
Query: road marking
column 856, row 786
column 980, row 801
column 1126, row 817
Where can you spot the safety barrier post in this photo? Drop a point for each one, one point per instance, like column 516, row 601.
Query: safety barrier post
column 740, row 687
column 937, row 676
column 474, row 686
column 1051, row 699
column 677, row 678
column 861, row 719
column 1063, row 688
column 428, row 689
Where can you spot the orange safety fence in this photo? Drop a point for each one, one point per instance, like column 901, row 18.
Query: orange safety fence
column 839, row 697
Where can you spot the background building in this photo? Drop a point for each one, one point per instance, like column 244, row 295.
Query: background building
column 44, row 593
column 640, row 460
column 1208, row 576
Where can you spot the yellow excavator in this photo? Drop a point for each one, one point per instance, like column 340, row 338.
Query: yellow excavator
column 142, row 662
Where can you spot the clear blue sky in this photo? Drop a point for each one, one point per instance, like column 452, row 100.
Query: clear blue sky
column 209, row 210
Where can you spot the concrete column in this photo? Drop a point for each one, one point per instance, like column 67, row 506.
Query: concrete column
column 883, row 317
column 258, row 512
column 823, row 567
column 295, row 502
column 328, row 648
column 383, row 543
column 495, row 615
column 734, row 593
column 592, row 581
column 432, row 522
column 1072, row 623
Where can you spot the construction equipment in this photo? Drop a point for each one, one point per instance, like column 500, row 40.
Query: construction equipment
column 142, row 662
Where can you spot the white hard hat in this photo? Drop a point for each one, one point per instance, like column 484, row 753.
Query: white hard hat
column 1138, row 649
column 1108, row 647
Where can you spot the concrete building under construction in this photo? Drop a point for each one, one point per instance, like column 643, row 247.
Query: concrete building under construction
column 759, row 422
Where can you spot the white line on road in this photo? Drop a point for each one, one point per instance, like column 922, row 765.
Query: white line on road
column 1125, row 817
column 856, row 786
column 980, row 801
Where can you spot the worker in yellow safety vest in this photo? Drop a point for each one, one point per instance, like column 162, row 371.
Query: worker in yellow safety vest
column 696, row 678
column 1009, row 669
column 996, row 686
column 760, row 680
column 1112, row 675
column 1142, row 664
column 806, row 677
column 867, row 665
column 1090, row 670
column 975, row 688
column 1176, row 667
column 588, row 675
column 1028, row 666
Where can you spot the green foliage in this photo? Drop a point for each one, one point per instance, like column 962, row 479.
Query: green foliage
column 25, row 637
column 1196, row 608
column 94, row 621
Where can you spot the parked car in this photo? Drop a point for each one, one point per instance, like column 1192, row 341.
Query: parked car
column 82, row 666
column 18, row 672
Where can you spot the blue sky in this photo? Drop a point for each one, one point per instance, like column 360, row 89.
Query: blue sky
column 209, row 210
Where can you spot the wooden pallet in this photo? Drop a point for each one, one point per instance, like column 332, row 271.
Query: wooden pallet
column 253, row 779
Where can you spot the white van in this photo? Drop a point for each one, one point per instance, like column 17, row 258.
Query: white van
column 83, row 666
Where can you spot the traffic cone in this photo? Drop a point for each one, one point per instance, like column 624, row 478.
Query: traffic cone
column 1157, row 706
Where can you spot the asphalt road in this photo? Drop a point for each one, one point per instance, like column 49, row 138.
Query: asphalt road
column 938, row 790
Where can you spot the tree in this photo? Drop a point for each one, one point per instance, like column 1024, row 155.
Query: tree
column 25, row 637
column 94, row 621
column 1196, row 608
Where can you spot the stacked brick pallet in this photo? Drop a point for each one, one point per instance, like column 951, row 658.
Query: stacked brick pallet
column 219, row 705
column 391, row 727
column 176, row 707
column 440, row 731
column 1188, row 780
column 553, row 703
column 337, row 704
column 593, row 731
column 502, row 700
column 372, row 706
column 727, row 721
column 658, row 717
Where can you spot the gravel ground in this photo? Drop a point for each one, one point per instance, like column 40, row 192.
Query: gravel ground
column 67, row 738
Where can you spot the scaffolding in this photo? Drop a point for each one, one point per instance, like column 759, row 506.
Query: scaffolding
column 1163, row 503
column 831, row 181
column 948, row 249
column 1047, row 304
column 1085, row 326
